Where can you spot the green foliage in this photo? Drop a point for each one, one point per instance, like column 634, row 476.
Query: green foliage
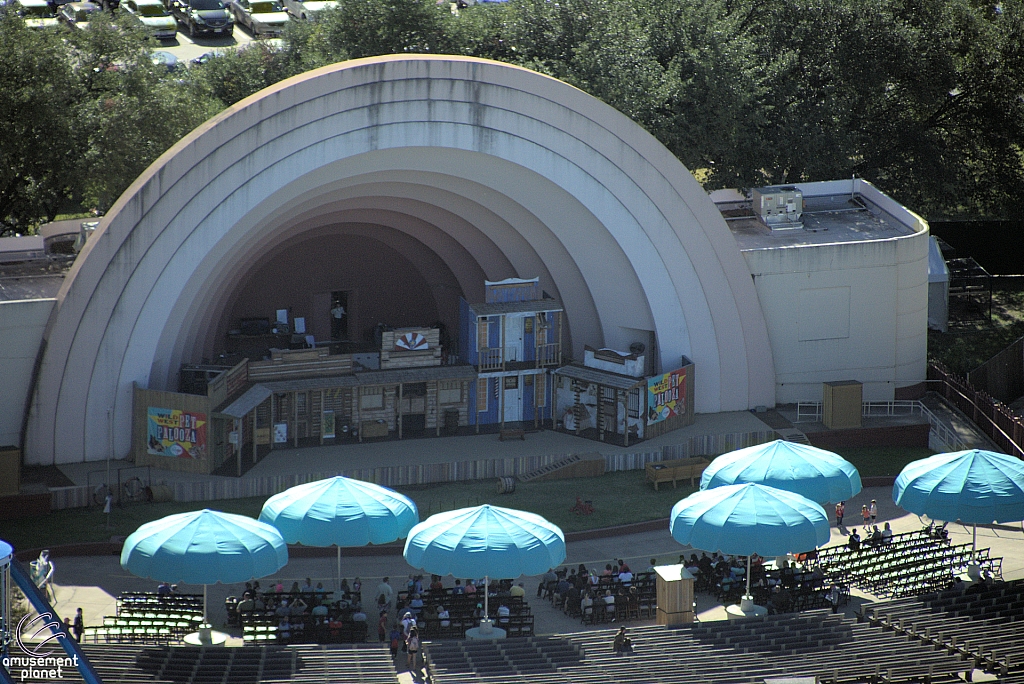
column 921, row 98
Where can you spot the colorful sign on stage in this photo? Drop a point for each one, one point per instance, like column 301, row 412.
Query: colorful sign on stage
column 666, row 396
column 176, row 433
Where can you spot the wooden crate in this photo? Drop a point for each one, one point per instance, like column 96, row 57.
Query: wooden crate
column 674, row 585
column 841, row 404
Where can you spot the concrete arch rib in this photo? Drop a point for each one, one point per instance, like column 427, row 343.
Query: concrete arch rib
column 654, row 228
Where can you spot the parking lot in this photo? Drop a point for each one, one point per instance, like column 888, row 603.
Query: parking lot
column 186, row 48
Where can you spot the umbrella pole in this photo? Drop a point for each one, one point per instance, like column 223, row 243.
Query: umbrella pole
column 748, row 575
column 339, row 568
column 487, row 612
column 205, row 621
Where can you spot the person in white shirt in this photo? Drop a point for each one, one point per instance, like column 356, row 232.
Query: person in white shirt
column 443, row 616
column 503, row 613
column 626, row 577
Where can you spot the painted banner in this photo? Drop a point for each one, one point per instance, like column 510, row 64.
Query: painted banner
column 666, row 396
column 327, row 425
column 176, row 433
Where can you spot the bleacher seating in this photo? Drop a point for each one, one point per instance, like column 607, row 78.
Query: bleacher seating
column 818, row 644
column 124, row 664
column 982, row 623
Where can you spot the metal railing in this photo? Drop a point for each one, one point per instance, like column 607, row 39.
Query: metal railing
column 945, row 437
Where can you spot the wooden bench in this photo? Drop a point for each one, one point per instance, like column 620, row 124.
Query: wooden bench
column 680, row 469
column 512, row 433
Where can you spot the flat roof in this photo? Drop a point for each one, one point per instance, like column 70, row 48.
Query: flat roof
column 497, row 308
column 826, row 219
column 31, row 280
column 601, row 377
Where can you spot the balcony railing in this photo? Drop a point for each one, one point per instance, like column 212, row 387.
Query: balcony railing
column 491, row 359
column 548, row 354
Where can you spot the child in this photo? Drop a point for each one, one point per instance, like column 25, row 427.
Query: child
column 864, row 513
column 840, row 512
column 396, row 634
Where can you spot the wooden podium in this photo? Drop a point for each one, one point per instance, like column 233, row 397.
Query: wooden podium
column 675, row 595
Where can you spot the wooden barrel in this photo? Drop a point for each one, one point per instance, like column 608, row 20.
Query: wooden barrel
column 506, row 485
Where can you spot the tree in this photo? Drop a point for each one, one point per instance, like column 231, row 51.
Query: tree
column 38, row 94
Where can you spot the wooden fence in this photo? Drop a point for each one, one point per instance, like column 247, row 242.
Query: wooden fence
column 990, row 415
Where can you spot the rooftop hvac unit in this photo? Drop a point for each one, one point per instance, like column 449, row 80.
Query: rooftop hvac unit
column 780, row 207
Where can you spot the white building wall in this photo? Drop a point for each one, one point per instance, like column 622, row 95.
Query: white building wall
column 21, row 332
column 845, row 311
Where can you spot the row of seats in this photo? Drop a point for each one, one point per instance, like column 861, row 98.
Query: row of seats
column 307, row 664
column 981, row 622
column 453, row 662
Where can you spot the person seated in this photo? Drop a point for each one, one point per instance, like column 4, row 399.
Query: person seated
column 435, row 583
column 297, row 607
column 561, row 591
column 282, row 610
column 478, row 612
column 319, row 610
column 887, row 534
column 853, row 543
column 307, row 586
column 343, row 588
column 444, row 616
column 547, row 584
column 623, row 566
column 284, row 632
column 416, row 604
column 609, row 605
column 359, row 616
column 470, row 587
column 608, row 571
column 622, row 645
column 518, row 591
column 458, row 590
column 163, row 589
column 875, row 540
column 587, row 607
column 503, row 613
column 246, row 605
column 625, row 576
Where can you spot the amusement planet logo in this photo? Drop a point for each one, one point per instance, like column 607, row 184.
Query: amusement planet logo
column 36, row 665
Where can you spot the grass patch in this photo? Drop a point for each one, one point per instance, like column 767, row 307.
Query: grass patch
column 882, row 461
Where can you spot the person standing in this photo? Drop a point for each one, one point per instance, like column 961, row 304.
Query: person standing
column 413, row 648
column 834, row 597
column 873, row 510
column 866, row 515
column 384, row 589
column 840, row 512
column 78, row 627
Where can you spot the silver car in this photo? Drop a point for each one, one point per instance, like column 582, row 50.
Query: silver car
column 153, row 16
column 305, row 10
column 263, row 18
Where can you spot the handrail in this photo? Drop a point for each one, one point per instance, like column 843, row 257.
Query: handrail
column 811, row 411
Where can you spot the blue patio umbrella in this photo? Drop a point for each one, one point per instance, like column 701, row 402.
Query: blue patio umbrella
column 819, row 475
column 973, row 486
column 744, row 519
column 204, row 547
column 486, row 541
column 340, row 512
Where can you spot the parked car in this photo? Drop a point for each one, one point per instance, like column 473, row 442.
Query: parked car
column 304, row 10
column 203, row 16
column 37, row 13
column 76, row 14
column 263, row 18
column 163, row 58
column 153, row 16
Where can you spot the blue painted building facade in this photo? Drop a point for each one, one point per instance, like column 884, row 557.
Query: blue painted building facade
column 514, row 339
